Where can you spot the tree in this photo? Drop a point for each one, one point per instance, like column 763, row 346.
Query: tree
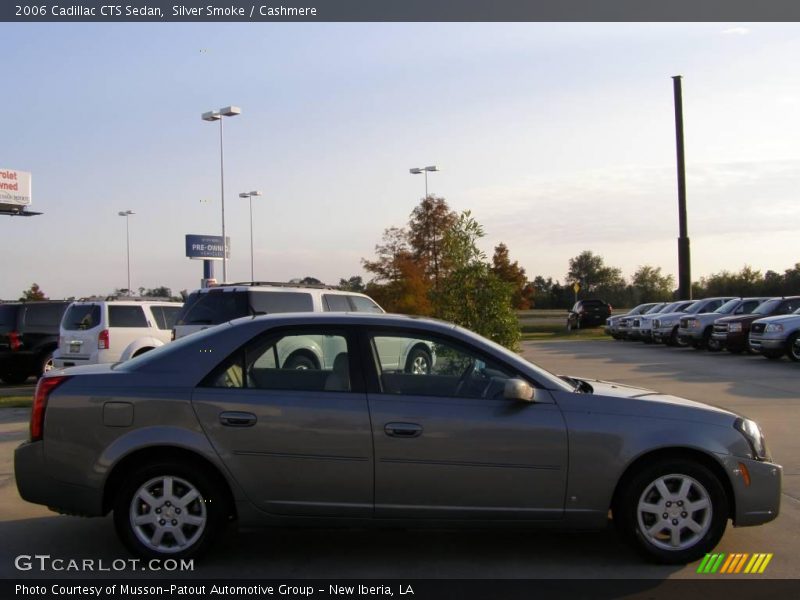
column 159, row 292
column 651, row 286
column 514, row 275
column 471, row 294
column 429, row 222
column 400, row 283
column 353, row 284
column 33, row 293
column 594, row 277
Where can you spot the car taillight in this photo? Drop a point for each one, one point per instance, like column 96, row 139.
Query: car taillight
column 14, row 341
column 103, row 341
column 43, row 389
column 610, row 308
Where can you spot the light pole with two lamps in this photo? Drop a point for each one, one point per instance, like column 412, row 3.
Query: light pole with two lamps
column 127, row 214
column 216, row 115
column 250, row 195
column 425, row 170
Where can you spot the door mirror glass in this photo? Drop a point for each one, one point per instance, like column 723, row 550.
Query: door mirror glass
column 517, row 389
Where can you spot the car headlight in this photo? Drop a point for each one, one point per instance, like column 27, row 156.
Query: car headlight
column 773, row 328
column 667, row 322
column 735, row 327
column 693, row 324
column 752, row 433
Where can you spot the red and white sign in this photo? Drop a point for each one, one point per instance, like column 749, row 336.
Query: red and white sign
column 15, row 187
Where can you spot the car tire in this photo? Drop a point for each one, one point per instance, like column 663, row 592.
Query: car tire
column 419, row 362
column 735, row 350
column 45, row 364
column 713, row 345
column 190, row 513
column 793, row 350
column 301, row 361
column 13, row 377
column 694, row 501
column 772, row 354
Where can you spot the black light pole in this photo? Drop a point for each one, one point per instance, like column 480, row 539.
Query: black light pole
column 684, row 258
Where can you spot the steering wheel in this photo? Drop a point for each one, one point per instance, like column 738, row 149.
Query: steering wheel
column 462, row 381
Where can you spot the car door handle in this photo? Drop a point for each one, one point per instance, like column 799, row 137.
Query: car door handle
column 237, row 419
column 406, row 430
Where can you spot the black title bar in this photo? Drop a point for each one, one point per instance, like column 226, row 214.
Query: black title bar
column 399, row 10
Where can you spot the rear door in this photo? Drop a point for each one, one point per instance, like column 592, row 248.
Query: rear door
column 298, row 441
column 80, row 327
column 126, row 324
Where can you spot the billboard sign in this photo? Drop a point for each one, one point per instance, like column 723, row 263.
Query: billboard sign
column 206, row 247
column 15, row 187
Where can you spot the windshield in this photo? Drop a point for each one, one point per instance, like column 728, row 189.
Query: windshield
column 695, row 308
column 656, row 309
column 729, row 306
column 768, row 307
column 674, row 307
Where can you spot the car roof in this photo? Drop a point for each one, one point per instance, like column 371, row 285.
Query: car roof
column 352, row 318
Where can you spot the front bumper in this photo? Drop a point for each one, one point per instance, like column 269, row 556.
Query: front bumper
column 759, row 502
column 760, row 343
column 734, row 341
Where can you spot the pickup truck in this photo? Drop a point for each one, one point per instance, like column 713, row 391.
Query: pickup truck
column 773, row 337
column 732, row 332
column 696, row 330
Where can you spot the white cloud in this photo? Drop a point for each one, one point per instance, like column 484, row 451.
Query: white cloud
column 736, row 31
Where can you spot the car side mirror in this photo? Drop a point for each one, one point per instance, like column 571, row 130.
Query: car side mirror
column 517, row 389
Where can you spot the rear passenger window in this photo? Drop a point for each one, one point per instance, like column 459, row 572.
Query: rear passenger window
column 281, row 302
column 165, row 316
column 126, row 316
column 336, row 303
column 363, row 304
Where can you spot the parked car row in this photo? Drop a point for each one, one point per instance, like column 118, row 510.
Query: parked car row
column 758, row 325
column 41, row 335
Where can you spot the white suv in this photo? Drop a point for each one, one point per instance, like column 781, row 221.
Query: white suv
column 109, row 331
column 208, row 307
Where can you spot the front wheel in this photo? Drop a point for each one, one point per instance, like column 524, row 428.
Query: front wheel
column 673, row 511
column 168, row 510
column 793, row 350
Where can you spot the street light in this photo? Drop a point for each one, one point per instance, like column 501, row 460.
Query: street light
column 126, row 214
column 425, row 170
column 250, row 195
column 216, row 115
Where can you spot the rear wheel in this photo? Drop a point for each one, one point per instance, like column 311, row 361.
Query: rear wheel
column 45, row 364
column 168, row 510
column 418, row 362
column 301, row 362
column 673, row 511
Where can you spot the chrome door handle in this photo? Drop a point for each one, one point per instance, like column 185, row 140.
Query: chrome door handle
column 237, row 419
column 405, row 430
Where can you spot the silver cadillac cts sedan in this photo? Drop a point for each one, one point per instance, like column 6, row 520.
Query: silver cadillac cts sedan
column 227, row 424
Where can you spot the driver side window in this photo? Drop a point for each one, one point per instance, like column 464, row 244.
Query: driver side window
column 414, row 366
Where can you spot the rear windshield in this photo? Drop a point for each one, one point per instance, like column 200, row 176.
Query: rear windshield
column 8, row 317
column 81, row 316
column 46, row 314
column 213, row 308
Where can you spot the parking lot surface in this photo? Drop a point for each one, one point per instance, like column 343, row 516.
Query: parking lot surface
column 764, row 390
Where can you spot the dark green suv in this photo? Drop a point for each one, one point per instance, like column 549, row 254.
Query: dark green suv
column 28, row 337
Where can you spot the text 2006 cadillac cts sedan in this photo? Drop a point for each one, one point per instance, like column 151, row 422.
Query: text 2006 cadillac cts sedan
column 214, row 427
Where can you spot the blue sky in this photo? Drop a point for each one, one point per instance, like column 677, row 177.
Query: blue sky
column 558, row 137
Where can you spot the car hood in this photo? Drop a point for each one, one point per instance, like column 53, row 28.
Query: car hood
column 672, row 315
column 617, row 395
column 780, row 319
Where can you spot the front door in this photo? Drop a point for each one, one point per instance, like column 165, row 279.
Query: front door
column 294, row 430
column 449, row 445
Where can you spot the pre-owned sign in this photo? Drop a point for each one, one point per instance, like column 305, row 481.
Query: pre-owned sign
column 15, row 187
column 208, row 247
